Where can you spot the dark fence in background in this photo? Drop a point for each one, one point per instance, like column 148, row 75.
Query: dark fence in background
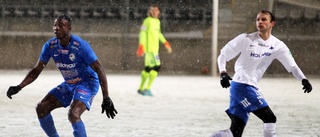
column 112, row 29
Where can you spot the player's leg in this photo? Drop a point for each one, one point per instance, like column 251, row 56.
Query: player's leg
column 148, row 61
column 144, row 79
column 239, row 118
column 269, row 121
column 56, row 98
column 154, row 62
column 77, row 107
column 43, row 109
column 237, row 110
column 252, row 101
column 82, row 100
column 152, row 76
column 237, row 125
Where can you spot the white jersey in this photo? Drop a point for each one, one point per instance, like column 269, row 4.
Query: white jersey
column 255, row 57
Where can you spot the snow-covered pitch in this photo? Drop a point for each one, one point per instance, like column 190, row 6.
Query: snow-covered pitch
column 182, row 106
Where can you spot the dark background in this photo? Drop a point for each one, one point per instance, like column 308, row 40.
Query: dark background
column 112, row 28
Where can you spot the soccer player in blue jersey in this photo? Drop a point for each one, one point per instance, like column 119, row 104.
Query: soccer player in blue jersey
column 82, row 73
column 255, row 52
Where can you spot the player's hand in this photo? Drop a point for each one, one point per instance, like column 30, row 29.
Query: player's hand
column 169, row 50
column 13, row 90
column 307, row 87
column 168, row 47
column 107, row 105
column 224, row 80
column 140, row 51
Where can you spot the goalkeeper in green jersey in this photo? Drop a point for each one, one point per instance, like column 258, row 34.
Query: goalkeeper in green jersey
column 149, row 38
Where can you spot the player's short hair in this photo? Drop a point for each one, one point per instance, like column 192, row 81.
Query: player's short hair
column 66, row 17
column 272, row 17
column 150, row 9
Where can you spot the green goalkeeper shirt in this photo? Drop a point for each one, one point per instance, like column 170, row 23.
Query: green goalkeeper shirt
column 150, row 35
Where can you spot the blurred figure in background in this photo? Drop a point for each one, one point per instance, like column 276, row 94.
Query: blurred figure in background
column 82, row 73
column 149, row 38
column 257, row 51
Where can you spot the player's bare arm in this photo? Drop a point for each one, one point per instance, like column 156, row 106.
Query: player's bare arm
column 30, row 77
column 97, row 67
column 107, row 104
column 33, row 74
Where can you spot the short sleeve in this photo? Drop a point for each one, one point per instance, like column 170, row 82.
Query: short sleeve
column 45, row 53
column 87, row 53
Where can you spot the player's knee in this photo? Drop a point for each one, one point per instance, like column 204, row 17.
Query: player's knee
column 266, row 115
column 73, row 116
column 147, row 69
column 270, row 119
column 40, row 110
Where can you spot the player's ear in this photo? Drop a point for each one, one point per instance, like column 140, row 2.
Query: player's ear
column 272, row 23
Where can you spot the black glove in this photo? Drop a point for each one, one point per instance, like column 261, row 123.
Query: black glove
column 306, row 86
column 107, row 105
column 224, row 80
column 13, row 90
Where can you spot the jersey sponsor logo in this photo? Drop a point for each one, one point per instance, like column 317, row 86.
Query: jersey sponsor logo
column 263, row 45
column 69, row 66
column 256, row 55
column 64, row 51
column 70, row 74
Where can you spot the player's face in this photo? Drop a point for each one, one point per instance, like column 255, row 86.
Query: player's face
column 263, row 22
column 61, row 28
column 155, row 12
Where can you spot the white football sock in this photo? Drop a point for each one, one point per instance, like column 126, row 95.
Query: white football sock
column 223, row 133
column 269, row 129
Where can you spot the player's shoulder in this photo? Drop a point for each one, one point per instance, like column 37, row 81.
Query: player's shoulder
column 277, row 41
column 51, row 43
column 78, row 41
column 253, row 35
column 244, row 37
column 147, row 19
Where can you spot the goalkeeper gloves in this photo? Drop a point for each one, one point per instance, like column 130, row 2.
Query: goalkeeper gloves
column 168, row 47
column 140, row 50
column 107, row 105
column 306, row 86
column 224, row 80
column 13, row 90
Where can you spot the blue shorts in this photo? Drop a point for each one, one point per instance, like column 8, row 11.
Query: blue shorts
column 83, row 91
column 244, row 99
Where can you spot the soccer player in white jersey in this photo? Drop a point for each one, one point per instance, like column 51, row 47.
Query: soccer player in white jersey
column 257, row 50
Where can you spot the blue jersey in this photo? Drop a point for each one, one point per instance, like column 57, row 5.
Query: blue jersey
column 73, row 60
